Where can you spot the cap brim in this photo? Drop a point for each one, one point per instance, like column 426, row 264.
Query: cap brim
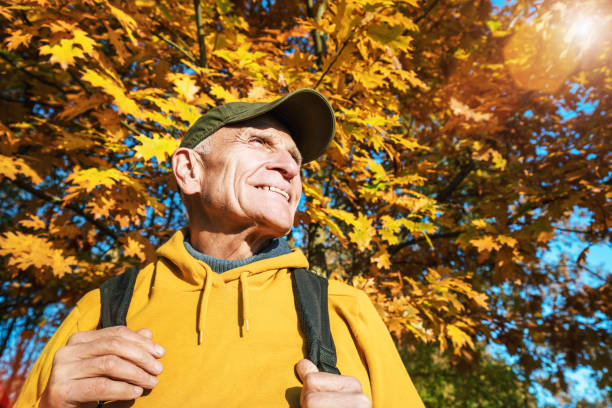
column 307, row 115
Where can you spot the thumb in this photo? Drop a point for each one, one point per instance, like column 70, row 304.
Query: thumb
column 305, row 367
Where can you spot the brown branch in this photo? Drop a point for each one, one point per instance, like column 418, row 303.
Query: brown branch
column 427, row 11
column 445, row 194
column 36, row 77
column 200, row 30
column 316, row 35
column 129, row 127
column 398, row 247
column 175, row 45
column 344, row 44
column 56, row 200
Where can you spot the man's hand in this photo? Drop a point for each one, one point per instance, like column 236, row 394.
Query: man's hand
column 115, row 363
column 324, row 390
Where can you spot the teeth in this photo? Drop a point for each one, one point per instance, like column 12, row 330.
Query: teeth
column 276, row 190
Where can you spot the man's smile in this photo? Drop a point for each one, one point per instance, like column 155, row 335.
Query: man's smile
column 276, row 190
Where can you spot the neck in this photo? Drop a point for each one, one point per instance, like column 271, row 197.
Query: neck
column 223, row 245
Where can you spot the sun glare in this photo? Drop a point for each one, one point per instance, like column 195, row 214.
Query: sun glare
column 583, row 32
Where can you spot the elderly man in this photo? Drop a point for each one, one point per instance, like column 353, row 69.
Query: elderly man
column 213, row 321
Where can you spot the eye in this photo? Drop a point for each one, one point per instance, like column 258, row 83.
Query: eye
column 258, row 140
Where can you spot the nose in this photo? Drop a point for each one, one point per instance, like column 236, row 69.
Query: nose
column 285, row 164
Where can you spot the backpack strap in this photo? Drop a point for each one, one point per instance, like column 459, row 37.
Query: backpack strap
column 115, row 296
column 310, row 292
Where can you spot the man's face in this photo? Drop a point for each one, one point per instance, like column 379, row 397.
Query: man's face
column 251, row 177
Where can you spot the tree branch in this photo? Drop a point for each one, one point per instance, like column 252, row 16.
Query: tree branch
column 175, row 45
column 317, row 36
column 56, row 200
column 333, row 61
column 28, row 73
column 444, row 195
column 200, row 30
column 398, row 247
column 426, row 12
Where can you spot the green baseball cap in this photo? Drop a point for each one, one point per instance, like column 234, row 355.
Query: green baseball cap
column 305, row 112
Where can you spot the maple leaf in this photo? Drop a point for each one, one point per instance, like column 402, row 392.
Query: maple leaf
column 62, row 53
column 390, row 228
column 10, row 167
column 33, row 222
column 184, row 85
column 89, row 179
column 17, row 38
column 111, row 87
column 459, row 108
column 223, row 94
column 382, row 259
column 128, row 23
column 363, row 232
column 485, row 244
column 138, row 246
column 18, row 247
column 506, row 240
column 159, row 146
column 458, row 337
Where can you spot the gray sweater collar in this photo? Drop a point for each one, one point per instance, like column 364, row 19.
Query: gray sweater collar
column 276, row 247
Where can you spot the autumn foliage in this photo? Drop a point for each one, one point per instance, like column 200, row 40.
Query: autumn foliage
column 453, row 169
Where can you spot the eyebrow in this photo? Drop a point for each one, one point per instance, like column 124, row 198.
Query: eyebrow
column 293, row 150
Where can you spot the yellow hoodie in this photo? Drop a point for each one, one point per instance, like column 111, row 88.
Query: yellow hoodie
column 232, row 339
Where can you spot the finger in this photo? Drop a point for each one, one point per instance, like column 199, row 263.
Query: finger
column 118, row 346
column 305, row 367
column 118, row 331
column 322, row 382
column 102, row 389
column 112, row 367
column 334, row 400
column 115, row 368
column 146, row 333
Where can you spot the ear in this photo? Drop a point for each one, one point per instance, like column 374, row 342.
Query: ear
column 187, row 171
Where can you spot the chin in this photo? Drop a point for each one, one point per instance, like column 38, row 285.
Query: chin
column 275, row 228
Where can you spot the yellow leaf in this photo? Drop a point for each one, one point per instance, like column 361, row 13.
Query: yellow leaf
column 18, row 247
column 136, row 245
column 342, row 215
column 63, row 53
column 33, row 222
column 126, row 21
column 362, row 233
column 160, row 147
column 17, row 38
column 459, row 108
column 111, row 87
column 458, row 337
column 10, row 167
column 390, row 227
column 257, row 93
column 506, row 240
column 479, row 223
column 485, row 244
column 545, row 236
column 382, row 260
column 184, row 85
column 89, row 179
column 221, row 93
column 81, row 38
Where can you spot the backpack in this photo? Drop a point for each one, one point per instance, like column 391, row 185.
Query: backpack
column 309, row 290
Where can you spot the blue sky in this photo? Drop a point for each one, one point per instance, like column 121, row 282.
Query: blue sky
column 599, row 258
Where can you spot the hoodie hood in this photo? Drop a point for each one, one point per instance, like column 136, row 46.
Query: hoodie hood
column 190, row 274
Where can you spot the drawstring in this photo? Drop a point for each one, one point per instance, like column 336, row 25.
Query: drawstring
column 204, row 307
column 245, row 300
